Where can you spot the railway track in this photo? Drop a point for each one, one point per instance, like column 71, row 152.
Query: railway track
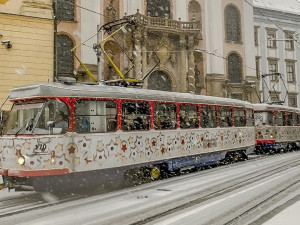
column 159, row 201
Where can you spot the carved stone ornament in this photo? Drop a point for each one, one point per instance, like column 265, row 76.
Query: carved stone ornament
column 162, row 50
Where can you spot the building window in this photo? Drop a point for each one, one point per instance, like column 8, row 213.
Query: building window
column 158, row 8
column 289, row 43
column 271, row 39
column 273, row 70
column 159, row 80
column 194, row 10
column 234, row 68
column 65, row 10
column 257, row 67
column 65, row 57
column 290, row 72
column 256, row 36
column 232, row 23
column 292, row 101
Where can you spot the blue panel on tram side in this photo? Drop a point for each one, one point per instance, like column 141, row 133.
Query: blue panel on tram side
column 198, row 161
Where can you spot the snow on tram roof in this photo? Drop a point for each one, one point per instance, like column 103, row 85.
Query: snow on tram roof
column 263, row 106
column 56, row 89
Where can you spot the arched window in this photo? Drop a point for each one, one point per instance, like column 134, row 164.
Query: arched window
column 232, row 23
column 234, row 68
column 158, row 8
column 65, row 10
column 194, row 11
column 65, row 57
column 159, row 80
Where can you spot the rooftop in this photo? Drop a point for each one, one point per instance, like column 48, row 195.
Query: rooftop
column 289, row 6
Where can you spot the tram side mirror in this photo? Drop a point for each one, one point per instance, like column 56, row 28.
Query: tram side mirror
column 53, row 129
column 50, row 124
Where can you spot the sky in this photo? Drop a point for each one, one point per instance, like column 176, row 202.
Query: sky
column 291, row 6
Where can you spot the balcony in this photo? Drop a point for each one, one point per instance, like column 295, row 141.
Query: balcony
column 169, row 25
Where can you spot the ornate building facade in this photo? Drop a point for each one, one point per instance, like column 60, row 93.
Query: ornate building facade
column 203, row 46
column 26, row 52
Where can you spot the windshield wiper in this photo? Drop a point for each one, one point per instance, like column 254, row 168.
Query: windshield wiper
column 28, row 126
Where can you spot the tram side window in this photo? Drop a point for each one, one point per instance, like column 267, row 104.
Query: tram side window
column 135, row 116
column 279, row 119
column 294, row 119
column 208, row 116
column 189, row 116
column 225, row 115
column 164, row 116
column 239, row 117
column 95, row 116
column 54, row 110
column 291, row 119
column 249, row 117
column 270, row 118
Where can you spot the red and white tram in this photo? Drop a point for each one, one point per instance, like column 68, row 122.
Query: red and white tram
column 61, row 136
column 277, row 128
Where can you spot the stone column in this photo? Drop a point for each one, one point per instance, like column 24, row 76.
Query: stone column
column 137, row 55
column 127, row 63
column 144, row 55
column 191, row 66
column 182, row 87
column 137, row 50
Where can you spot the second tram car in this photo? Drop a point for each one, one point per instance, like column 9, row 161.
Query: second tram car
column 61, row 136
column 277, row 128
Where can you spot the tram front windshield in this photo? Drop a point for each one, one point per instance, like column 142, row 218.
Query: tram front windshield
column 37, row 118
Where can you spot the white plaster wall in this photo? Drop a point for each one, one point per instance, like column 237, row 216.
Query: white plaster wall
column 214, row 36
column 180, row 10
column 89, row 22
column 131, row 6
column 249, row 39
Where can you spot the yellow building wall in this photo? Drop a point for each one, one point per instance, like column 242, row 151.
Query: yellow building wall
column 30, row 59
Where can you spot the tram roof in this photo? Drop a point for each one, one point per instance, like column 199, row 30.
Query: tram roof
column 263, row 107
column 56, row 89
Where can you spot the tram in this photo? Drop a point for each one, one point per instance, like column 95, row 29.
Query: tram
column 277, row 128
column 71, row 135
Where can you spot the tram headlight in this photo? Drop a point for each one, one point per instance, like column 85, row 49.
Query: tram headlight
column 52, row 160
column 21, row 160
column 271, row 136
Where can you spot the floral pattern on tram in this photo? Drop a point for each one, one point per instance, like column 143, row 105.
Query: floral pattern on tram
column 278, row 134
column 86, row 152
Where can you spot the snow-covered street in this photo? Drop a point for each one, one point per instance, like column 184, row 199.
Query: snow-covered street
column 248, row 192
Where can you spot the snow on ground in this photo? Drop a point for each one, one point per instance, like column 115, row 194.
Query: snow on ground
column 288, row 216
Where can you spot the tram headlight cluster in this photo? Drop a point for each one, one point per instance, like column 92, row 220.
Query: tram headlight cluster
column 21, row 160
column 52, row 160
